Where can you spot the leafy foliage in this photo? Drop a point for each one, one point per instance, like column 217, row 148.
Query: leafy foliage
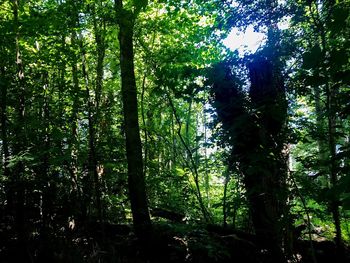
column 203, row 124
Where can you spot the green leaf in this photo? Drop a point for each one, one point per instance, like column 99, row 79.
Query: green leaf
column 217, row 205
column 338, row 58
column 345, row 199
column 315, row 81
column 343, row 76
column 312, row 58
column 338, row 23
column 139, row 5
column 23, row 156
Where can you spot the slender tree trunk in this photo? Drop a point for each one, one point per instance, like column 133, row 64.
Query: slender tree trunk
column 92, row 176
column 145, row 122
column 331, row 149
column 5, row 140
column 99, row 29
column 4, row 130
column 331, row 93
column 77, row 196
column 20, row 143
column 136, row 180
column 145, row 127
column 224, row 203
column 334, row 203
column 206, row 173
column 188, row 122
column 92, row 111
column 173, row 142
column 320, row 123
column 191, row 164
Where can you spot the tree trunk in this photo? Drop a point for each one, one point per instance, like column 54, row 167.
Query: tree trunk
column 190, row 161
column 19, row 145
column 334, row 202
column 257, row 142
column 206, row 166
column 136, row 180
column 224, row 198
column 331, row 92
column 265, row 169
column 99, row 29
column 4, row 132
column 77, row 195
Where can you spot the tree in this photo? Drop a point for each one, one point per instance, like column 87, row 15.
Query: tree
column 255, row 136
column 136, row 181
column 322, row 26
column 256, row 131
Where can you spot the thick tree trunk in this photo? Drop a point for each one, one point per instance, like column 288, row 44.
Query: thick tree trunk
column 258, row 141
column 136, row 180
column 265, row 183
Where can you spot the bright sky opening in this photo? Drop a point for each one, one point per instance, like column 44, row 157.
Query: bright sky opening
column 244, row 41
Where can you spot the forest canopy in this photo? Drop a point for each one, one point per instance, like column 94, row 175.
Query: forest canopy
column 129, row 132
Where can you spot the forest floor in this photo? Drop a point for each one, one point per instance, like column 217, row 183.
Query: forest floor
column 171, row 243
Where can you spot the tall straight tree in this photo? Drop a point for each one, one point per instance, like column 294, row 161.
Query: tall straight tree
column 136, row 180
column 99, row 32
column 20, row 141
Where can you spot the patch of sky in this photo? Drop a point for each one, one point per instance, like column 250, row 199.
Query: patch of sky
column 247, row 41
